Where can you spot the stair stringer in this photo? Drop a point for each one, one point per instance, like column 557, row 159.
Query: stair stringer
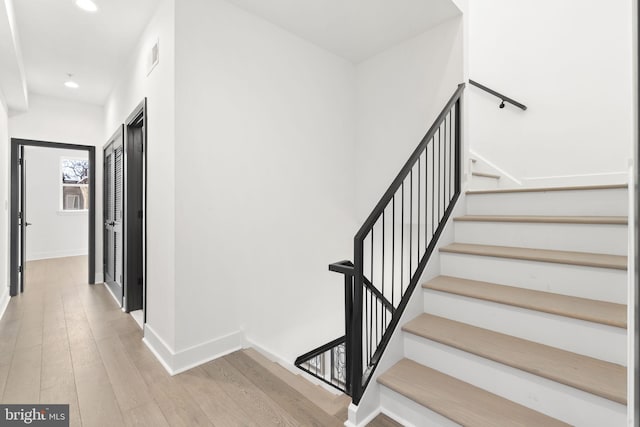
column 479, row 163
column 370, row 405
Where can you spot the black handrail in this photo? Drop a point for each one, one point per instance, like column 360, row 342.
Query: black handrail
column 375, row 299
column 397, row 182
column 499, row 95
column 374, row 345
column 318, row 351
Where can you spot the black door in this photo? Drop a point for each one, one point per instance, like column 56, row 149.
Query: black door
column 113, row 215
column 134, row 214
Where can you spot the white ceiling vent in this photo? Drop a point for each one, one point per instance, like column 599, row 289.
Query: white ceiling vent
column 153, row 57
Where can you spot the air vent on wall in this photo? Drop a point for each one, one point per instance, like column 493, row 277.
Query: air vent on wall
column 153, row 57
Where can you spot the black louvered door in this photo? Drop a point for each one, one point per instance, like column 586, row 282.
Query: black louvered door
column 113, row 194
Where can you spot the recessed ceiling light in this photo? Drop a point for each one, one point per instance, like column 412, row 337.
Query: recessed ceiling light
column 87, row 5
column 70, row 83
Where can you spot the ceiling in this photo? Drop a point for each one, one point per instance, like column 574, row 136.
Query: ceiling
column 353, row 29
column 56, row 38
column 13, row 84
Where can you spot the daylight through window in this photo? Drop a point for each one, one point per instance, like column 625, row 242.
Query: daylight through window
column 75, row 184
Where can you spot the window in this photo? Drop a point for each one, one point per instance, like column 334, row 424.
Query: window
column 75, row 184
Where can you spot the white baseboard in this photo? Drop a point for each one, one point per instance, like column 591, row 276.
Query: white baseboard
column 159, row 348
column 99, row 278
column 365, row 421
column 183, row 360
column 115, row 298
column 205, row 352
column 397, row 418
column 4, row 301
column 57, row 254
column 269, row 354
column 274, row 357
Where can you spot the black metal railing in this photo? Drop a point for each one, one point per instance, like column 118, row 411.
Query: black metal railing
column 328, row 363
column 391, row 251
column 502, row 97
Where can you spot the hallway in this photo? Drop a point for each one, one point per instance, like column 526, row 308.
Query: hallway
column 63, row 341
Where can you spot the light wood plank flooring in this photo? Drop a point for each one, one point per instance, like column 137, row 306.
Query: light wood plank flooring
column 63, row 341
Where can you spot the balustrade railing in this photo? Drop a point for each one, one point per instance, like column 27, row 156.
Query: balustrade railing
column 391, row 251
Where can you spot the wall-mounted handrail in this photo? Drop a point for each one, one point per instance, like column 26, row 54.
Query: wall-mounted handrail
column 502, row 97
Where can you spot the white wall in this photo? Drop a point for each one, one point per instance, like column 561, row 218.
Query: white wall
column 56, row 120
column 264, row 181
column 400, row 92
column 4, row 199
column 569, row 62
column 52, row 233
column 159, row 88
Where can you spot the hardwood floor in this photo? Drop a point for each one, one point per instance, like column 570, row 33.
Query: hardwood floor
column 64, row 341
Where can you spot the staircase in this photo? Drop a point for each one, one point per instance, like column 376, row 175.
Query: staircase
column 482, row 176
column 526, row 325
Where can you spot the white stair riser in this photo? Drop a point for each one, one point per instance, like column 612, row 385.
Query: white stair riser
column 583, row 202
column 410, row 412
column 586, row 282
column 554, row 399
column 596, row 238
column 483, row 183
column 565, row 333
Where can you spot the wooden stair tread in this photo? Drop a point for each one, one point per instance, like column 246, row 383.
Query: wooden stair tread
column 545, row 189
column 602, row 312
column 461, row 402
column 486, row 175
column 613, row 220
column 594, row 376
column 543, row 255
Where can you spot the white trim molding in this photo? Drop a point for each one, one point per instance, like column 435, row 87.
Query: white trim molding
column 176, row 362
column 503, row 173
column 159, row 348
column 4, row 301
column 274, row 357
column 370, row 417
column 58, row 254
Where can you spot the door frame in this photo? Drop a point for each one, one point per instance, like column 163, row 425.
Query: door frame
column 16, row 143
column 138, row 114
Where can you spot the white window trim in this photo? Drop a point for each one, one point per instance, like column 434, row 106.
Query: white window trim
column 73, row 212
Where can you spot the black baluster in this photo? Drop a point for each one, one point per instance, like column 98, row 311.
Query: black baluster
column 439, row 172
column 402, row 246
column 418, row 254
column 393, row 250
column 371, row 300
column 433, row 184
column 450, row 159
column 410, row 224
column 383, row 251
